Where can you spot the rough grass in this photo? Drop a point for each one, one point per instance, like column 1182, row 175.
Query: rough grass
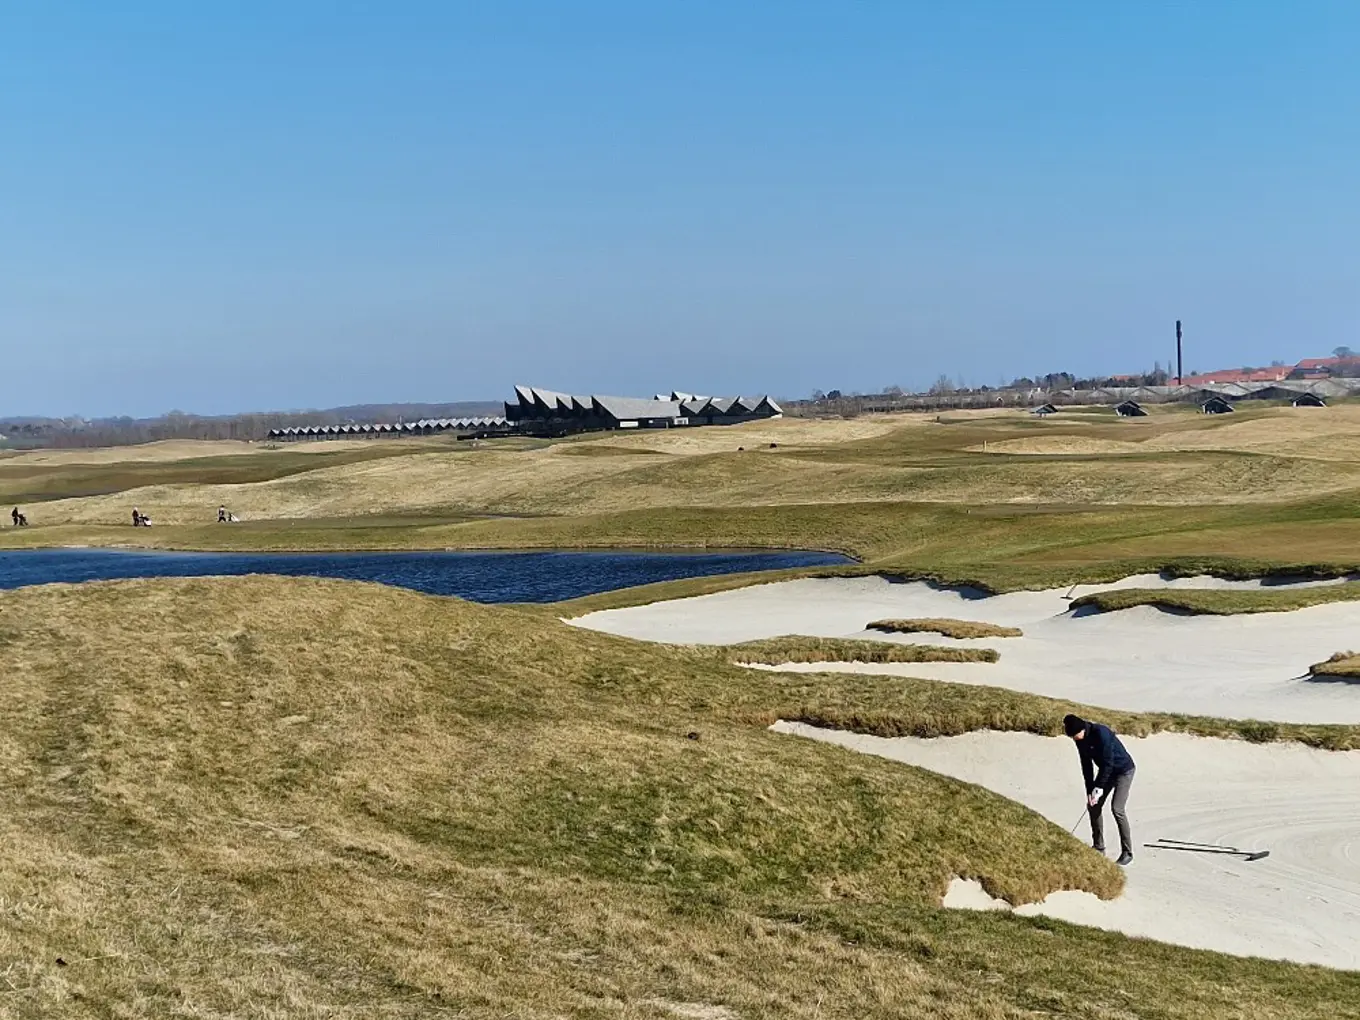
column 962, row 629
column 290, row 797
column 800, row 648
column 1218, row 603
column 1342, row 664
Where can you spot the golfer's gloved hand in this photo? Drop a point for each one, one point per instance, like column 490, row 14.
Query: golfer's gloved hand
column 1094, row 799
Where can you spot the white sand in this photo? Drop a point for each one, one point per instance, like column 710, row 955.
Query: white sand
column 1301, row 903
column 1138, row 659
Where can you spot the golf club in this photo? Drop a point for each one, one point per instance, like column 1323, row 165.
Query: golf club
column 1073, row 830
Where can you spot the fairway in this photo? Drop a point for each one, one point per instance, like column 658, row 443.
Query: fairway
column 1275, row 489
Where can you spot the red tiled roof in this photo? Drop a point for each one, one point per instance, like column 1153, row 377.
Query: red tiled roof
column 1229, row 375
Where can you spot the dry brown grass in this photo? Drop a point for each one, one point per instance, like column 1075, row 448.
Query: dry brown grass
column 181, row 449
column 962, row 629
column 1341, row 664
column 1208, row 602
column 1333, row 434
column 285, row 797
column 776, row 651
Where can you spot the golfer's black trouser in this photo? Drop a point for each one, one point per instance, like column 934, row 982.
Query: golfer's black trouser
column 1118, row 796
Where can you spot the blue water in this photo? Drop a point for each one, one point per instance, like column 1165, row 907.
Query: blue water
column 479, row 576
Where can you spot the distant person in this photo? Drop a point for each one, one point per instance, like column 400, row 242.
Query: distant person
column 221, row 515
column 14, row 516
column 1108, row 769
column 136, row 517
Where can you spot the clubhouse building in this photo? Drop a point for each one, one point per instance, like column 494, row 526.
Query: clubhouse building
column 536, row 412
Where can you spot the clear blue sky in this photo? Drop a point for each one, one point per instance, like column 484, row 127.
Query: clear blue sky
column 251, row 205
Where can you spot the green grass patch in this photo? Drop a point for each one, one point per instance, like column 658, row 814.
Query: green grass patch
column 962, row 629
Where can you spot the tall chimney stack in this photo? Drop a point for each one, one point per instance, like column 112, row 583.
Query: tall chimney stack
column 1178, row 352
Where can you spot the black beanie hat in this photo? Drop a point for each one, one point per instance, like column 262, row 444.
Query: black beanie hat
column 1073, row 724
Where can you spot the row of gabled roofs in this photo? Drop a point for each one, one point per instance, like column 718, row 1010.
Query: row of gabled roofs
column 534, row 404
column 424, row 427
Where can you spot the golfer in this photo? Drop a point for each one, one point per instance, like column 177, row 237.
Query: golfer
column 1108, row 768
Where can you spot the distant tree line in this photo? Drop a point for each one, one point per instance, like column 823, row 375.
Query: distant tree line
column 32, row 433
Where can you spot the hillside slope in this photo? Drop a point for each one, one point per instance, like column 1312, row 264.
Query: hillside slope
column 287, row 797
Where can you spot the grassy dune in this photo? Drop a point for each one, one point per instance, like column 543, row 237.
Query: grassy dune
column 962, row 629
column 286, row 797
column 1218, row 603
column 798, row 648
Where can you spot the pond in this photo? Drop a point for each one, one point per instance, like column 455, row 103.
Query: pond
column 479, row 576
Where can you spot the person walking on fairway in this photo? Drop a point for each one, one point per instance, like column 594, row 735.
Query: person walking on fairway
column 1108, row 768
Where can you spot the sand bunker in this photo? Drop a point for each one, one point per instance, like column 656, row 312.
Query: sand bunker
column 1138, row 659
column 1301, row 903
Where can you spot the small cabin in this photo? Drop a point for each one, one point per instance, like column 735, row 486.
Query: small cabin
column 1309, row 400
column 1216, row 405
column 1130, row 409
column 1044, row 410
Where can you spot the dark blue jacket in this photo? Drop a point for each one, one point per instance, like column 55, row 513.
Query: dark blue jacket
column 1102, row 754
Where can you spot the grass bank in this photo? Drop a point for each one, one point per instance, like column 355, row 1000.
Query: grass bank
column 1218, row 603
column 961, row 629
column 267, row 796
column 929, row 708
column 800, row 648
column 1341, row 666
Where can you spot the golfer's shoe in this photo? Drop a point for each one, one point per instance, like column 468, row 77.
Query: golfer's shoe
column 1098, row 847
column 1125, row 858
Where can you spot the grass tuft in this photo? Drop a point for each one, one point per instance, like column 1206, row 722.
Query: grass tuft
column 1345, row 665
column 1208, row 602
column 799, row 648
column 949, row 628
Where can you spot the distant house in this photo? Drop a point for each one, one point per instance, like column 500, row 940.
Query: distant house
column 1238, row 375
column 1321, row 368
column 1043, row 410
column 1130, row 409
column 1309, row 400
column 1216, row 405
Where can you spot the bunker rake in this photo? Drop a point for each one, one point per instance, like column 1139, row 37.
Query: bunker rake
column 1206, row 848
